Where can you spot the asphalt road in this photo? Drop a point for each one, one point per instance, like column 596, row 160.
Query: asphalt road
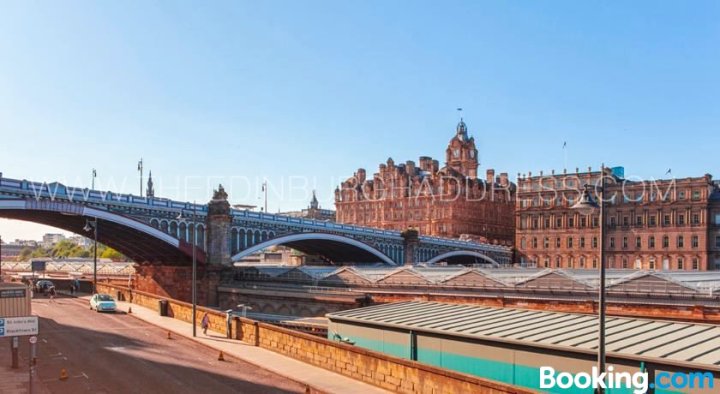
column 117, row 353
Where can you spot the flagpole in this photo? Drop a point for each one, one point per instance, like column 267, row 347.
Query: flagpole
column 140, row 168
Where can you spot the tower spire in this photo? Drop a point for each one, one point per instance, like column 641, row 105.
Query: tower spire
column 150, row 192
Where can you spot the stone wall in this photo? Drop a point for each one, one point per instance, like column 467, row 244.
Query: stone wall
column 287, row 302
column 391, row 373
column 176, row 309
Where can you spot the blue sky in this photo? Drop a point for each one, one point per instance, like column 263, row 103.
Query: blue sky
column 237, row 91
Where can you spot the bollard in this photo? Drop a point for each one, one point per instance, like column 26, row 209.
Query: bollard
column 63, row 374
column 221, row 357
column 169, row 337
column 129, row 310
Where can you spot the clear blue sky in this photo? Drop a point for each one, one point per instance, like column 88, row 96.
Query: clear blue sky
column 219, row 90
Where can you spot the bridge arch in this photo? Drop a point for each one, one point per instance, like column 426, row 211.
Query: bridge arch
column 462, row 253
column 136, row 240
column 313, row 243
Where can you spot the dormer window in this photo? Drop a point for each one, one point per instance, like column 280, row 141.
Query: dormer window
column 456, row 153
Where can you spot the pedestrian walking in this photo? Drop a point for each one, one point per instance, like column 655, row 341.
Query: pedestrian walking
column 52, row 293
column 72, row 288
column 205, row 323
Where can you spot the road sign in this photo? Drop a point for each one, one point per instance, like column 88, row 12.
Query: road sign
column 18, row 326
column 33, row 339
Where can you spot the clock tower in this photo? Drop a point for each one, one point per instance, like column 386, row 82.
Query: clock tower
column 461, row 154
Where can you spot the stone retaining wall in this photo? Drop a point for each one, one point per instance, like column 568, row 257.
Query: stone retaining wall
column 391, row 373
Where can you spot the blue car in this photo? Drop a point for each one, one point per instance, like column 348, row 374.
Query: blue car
column 102, row 303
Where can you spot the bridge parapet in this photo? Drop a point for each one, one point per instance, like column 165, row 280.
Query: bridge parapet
column 246, row 229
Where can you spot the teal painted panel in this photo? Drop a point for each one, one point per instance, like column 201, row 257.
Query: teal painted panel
column 515, row 374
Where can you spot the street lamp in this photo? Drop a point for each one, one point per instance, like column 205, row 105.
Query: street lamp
column 194, row 267
column 92, row 225
column 586, row 205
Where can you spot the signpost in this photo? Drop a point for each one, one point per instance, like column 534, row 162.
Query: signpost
column 18, row 326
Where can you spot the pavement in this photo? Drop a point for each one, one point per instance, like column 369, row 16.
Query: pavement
column 317, row 378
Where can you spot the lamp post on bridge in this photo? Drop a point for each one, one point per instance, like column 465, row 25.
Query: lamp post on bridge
column 193, row 223
column 587, row 206
column 92, row 225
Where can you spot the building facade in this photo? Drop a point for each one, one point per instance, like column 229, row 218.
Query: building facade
column 450, row 201
column 313, row 211
column 668, row 224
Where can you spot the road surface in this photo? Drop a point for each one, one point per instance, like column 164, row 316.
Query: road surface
column 117, row 353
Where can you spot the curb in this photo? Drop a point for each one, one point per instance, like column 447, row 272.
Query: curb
column 312, row 388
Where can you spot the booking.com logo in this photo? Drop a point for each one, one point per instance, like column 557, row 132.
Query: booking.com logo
column 638, row 381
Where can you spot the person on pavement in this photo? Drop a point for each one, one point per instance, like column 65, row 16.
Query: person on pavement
column 205, row 323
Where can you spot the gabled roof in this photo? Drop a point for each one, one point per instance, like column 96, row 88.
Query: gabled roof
column 347, row 275
column 403, row 276
column 552, row 279
column 472, row 278
column 650, row 282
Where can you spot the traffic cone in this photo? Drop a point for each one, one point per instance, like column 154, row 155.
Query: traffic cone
column 63, row 374
column 129, row 310
column 221, row 357
column 169, row 337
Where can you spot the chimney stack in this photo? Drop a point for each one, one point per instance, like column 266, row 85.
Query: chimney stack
column 490, row 176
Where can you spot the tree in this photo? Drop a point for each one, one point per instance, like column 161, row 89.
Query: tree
column 110, row 253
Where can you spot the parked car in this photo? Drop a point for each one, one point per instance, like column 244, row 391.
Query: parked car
column 102, row 303
column 42, row 286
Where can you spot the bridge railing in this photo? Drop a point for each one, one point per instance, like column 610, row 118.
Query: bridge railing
column 56, row 190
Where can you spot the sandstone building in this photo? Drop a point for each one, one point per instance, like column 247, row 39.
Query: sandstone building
column 448, row 201
column 668, row 224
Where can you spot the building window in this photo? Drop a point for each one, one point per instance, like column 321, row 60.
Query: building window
column 695, row 241
column 666, row 241
column 626, row 221
column 595, row 262
column 569, row 242
column 696, row 194
column 522, row 243
column 651, row 242
column 625, row 243
column 666, row 220
column 595, row 221
column 612, row 242
column 651, row 221
column 681, row 195
column 546, row 262
column 717, row 241
column 546, row 242
column 594, row 242
column 652, row 263
column 625, row 262
column 557, row 242
column 571, row 262
column 695, row 264
column 681, row 219
column 535, row 223
column 534, row 243
column 717, row 219
column 638, row 242
column 680, row 263
column 571, row 222
column 612, row 221
column 680, row 241
column 558, row 262
column 583, row 221
column 558, row 223
column 547, row 222
column 639, row 221
column 582, row 262
column 695, row 218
